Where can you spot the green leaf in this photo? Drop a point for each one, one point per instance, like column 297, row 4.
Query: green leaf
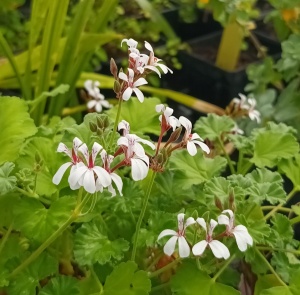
column 265, row 282
column 271, row 146
column 37, row 222
column 190, row 170
column 213, row 126
column 282, row 226
column 7, row 182
column 267, row 185
column 7, row 204
column 278, row 291
column 127, row 278
column 92, row 245
column 16, row 125
column 49, row 160
column 188, row 280
column 291, row 168
column 133, row 111
column 61, row 285
column 26, row 282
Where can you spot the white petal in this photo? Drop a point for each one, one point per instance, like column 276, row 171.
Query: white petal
column 139, row 94
column 164, row 68
column 60, row 172
column 213, row 224
column 89, row 182
column 139, row 169
column 169, row 247
column 242, row 237
column 91, row 104
column 159, row 108
column 223, row 219
column 106, row 104
column 127, row 93
column 148, row 46
column 122, row 141
column 203, row 146
column 112, row 191
column 76, row 174
column 62, row 148
column 123, row 76
column 147, row 142
column 95, row 150
column 189, row 222
column 124, row 125
column 183, row 247
column 167, row 232
column 191, row 148
column 202, row 222
column 88, row 85
column 186, row 123
column 180, row 221
column 98, row 107
column 229, row 212
column 139, row 82
column 103, row 176
column 199, row 248
column 219, row 249
column 85, row 151
column 154, row 69
column 76, row 143
column 118, row 182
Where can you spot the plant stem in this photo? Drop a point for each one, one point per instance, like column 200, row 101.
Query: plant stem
column 270, row 267
column 116, row 122
column 163, row 269
column 73, row 110
column 225, row 265
column 295, row 220
column 5, row 237
column 28, row 194
column 232, row 170
column 264, row 248
column 97, row 280
column 280, row 209
column 279, row 206
column 139, row 222
column 75, row 214
column 159, row 287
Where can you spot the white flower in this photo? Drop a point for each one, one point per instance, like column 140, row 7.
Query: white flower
column 135, row 155
column 84, row 175
column 131, row 43
column 98, row 104
column 171, row 121
column 92, row 87
column 237, row 130
column 153, row 62
column 240, row 232
column 219, row 249
column 107, row 159
column 183, row 246
column 132, row 86
column 241, row 102
column 252, row 113
column 73, row 154
column 124, row 125
column 192, row 139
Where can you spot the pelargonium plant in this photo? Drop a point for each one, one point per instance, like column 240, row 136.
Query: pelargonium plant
column 99, row 208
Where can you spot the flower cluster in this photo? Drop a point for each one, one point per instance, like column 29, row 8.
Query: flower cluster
column 97, row 101
column 84, row 171
column 243, row 106
column 139, row 66
column 219, row 250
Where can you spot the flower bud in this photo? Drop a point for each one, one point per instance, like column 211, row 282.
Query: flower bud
column 93, row 127
column 174, row 135
column 218, row 203
column 117, row 86
column 113, row 68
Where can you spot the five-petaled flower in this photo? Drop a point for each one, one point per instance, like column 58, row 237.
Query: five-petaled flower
column 191, row 140
column 167, row 121
column 73, row 154
column 84, row 174
column 183, row 246
column 240, row 232
column 218, row 249
column 132, row 85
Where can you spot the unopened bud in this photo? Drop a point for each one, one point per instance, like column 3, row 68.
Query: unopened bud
column 37, row 157
column 231, row 201
column 106, row 122
column 99, row 132
column 93, row 127
column 117, row 86
column 113, row 68
column 218, row 203
column 174, row 135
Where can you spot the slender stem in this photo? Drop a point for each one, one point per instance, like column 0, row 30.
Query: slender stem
column 139, row 222
column 232, row 170
column 159, row 142
column 198, row 263
column 295, row 220
column 225, row 265
column 26, row 193
column 264, row 248
column 73, row 110
column 79, row 196
column 163, row 269
column 75, row 214
column 270, row 267
column 239, row 163
column 280, row 209
column 116, row 122
column 279, row 206
column 5, row 237
column 154, row 262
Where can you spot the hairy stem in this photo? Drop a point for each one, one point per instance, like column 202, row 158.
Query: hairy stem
column 139, row 222
column 116, row 122
column 5, row 237
column 232, row 170
column 163, row 269
column 225, row 265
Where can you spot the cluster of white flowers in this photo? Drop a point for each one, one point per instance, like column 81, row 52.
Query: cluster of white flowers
column 139, row 63
column 247, row 104
column 189, row 139
column 84, row 172
column 219, row 250
column 98, row 101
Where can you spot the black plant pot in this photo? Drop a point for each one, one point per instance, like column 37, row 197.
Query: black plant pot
column 200, row 77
